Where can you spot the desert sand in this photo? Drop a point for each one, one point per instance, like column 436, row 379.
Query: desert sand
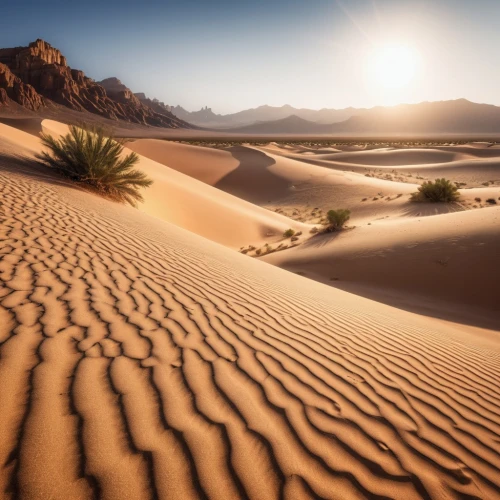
column 139, row 359
column 394, row 247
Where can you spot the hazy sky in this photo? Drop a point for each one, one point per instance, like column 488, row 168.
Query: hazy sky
column 235, row 54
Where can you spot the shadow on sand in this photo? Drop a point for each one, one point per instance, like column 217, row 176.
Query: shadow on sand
column 418, row 209
column 252, row 180
column 30, row 167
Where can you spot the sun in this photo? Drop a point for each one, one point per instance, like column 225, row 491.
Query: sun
column 395, row 66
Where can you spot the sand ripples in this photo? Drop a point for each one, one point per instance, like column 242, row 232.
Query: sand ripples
column 136, row 365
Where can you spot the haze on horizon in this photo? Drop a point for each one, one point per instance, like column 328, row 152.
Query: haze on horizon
column 236, row 55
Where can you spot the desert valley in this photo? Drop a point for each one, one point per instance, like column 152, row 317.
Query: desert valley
column 288, row 304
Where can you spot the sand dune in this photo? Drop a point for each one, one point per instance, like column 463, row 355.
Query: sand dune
column 444, row 266
column 472, row 164
column 184, row 201
column 270, row 180
column 205, row 164
column 141, row 361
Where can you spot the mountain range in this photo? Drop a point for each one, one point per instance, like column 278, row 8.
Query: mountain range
column 35, row 76
column 205, row 117
column 442, row 117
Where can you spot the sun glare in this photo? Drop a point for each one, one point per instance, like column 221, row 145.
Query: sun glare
column 394, row 67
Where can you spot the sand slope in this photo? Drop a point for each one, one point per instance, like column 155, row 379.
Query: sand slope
column 445, row 264
column 182, row 200
column 141, row 361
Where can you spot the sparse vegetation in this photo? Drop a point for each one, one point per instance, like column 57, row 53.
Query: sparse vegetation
column 288, row 233
column 89, row 156
column 226, row 142
column 441, row 190
column 337, row 218
column 491, row 201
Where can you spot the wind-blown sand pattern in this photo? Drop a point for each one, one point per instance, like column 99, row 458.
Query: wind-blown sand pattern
column 138, row 360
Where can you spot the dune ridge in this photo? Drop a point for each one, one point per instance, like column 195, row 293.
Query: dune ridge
column 144, row 361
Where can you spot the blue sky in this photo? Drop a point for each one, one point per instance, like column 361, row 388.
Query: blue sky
column 232, row 55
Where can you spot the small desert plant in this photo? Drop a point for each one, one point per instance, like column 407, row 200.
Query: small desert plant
column 477, row 199
column 288, row 233
column 92, row 157
column 337, row 218
column 491, row 201
column 441, row 190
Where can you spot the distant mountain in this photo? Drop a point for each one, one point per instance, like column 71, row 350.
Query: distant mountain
column 443, row 117
column 207, row 118
column 290, row 125
column 32, row 77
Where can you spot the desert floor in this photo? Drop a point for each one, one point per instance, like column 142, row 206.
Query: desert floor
column 144, row 355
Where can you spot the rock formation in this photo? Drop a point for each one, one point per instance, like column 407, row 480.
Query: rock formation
column 29, row 75
column 154, row 104
column 138, row 109
column 11, row 87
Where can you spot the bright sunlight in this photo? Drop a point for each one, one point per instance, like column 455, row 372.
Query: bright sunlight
column 394, row 67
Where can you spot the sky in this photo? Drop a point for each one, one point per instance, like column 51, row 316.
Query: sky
column 234, row 55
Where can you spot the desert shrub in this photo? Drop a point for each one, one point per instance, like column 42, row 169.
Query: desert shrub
column 89, row 156
column 288, row 233
column 441, row 190
column 477, row 199
column 337, row 218
column 491, row 201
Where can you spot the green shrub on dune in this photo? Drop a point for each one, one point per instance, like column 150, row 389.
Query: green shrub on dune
column 337, row 218
column 89, row 156
column 441, row 190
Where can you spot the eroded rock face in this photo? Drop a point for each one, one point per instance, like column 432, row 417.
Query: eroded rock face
column 154, row 104
column 143, row 110
column 4, row 98
column 11, row 87
column 30, row 74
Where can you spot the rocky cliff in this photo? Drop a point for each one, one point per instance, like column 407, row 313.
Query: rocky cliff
column 11, row 87
column 30, row 75
column 155, row 104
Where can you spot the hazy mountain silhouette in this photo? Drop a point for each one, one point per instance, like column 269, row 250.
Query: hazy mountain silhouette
column 443, row 117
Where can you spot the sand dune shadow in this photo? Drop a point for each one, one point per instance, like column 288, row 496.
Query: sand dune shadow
column 252, row 180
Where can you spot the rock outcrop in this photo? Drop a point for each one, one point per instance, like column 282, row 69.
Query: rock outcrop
column 11, row 87
column 29, row 75
column 154, row 104
column 138, row 109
